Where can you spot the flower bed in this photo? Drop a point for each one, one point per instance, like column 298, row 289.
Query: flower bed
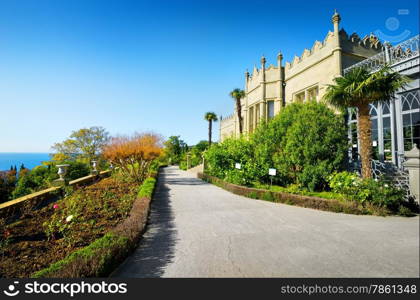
column 96, row 215
column 333, row 205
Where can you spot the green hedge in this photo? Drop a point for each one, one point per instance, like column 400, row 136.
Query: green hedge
column 108, row 246
column 147, row 188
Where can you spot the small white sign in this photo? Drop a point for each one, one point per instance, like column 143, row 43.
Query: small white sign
column 272, row 172
column 375, row 143
column 238, row 166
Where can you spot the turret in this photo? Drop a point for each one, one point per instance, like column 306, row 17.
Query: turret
column 246, row 80
column 336, row 21
column 337, row 47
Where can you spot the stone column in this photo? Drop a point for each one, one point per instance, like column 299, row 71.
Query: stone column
column 412, row 164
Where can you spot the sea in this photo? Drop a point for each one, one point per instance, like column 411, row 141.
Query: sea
column 29, row 160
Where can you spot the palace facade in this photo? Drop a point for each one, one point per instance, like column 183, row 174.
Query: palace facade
column 271, row 87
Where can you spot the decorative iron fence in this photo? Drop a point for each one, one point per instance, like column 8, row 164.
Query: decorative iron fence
column 390, row 54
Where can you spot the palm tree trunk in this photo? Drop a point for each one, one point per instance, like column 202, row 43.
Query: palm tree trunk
column 210, row 129
column 239, row 110
column 365, row 135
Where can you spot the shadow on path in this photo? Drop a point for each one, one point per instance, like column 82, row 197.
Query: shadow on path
column 156, row 248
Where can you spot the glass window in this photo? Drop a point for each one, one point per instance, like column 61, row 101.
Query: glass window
column 257, row 112
column 313, row 93
column 386, row 130
column 300, row 97
column 411, row 119
column 372, row 111
column 375, row 142
column 385, row 109
column 251, row 119
column 270, row 109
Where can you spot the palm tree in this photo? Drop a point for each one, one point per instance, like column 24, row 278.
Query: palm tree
column 237, row 95
column 359, row 88
column 211, row 117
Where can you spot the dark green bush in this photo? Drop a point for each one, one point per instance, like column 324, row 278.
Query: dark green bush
column 221, row 159
column 304, row 142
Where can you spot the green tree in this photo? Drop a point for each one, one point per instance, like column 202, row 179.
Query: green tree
column 358, row 88
column 85, row 143
column 210, row 117
column 310, row 144
column 237, row 95
column 174, row 149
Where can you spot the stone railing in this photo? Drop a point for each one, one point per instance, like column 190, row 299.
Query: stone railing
column 391, row 55
column 37, row 199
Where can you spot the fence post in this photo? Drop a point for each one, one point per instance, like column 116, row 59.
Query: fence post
column 412, row 164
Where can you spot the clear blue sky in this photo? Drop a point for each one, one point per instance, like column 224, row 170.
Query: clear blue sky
column 152, row 65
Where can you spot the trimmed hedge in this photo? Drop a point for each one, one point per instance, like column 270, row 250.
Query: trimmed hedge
column 102, row 256
column 286, row 198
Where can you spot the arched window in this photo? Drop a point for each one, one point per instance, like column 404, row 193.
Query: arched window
column 411, row 119
column 386, row 131
column 374, row 119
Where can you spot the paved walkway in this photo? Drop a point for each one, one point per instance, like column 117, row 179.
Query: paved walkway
column 199, row 230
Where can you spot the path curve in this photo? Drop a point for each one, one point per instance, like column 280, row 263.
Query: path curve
column 199, row 230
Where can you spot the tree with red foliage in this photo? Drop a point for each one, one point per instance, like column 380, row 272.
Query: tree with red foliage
column 134, row 155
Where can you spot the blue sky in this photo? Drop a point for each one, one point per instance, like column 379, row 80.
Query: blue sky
column 152, row 65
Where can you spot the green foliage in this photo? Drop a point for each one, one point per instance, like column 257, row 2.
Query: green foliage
column 7, row 184
column 100, row 250
column 196, row 155
column 147, row 188
column 313, row 146
column 85, row 143
column 221, row 159
column 305, row 143
column 41, row 177
column 377, row 192
column 361, row 86
column 174, row 149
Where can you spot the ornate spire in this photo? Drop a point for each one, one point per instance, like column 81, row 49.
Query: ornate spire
column 280, row 56
column 263, row 61
column 336, row 17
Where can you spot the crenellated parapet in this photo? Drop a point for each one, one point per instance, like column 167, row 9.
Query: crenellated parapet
column 352, row 44
column 317, row 47
column 227, row 118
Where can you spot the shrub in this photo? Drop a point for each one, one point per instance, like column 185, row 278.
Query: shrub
column 305, row 142
column 221, row 159
column 377, row 192
column 134, row 155
column 311, row 144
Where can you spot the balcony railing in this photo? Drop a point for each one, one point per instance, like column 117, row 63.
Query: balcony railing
column 391, row 54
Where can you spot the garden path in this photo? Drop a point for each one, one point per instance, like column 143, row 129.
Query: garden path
column 199, row 230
